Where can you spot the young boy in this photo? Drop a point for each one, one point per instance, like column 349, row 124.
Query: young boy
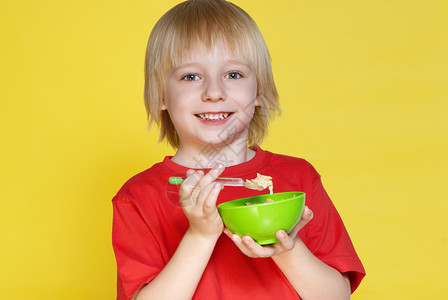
column 210, row 88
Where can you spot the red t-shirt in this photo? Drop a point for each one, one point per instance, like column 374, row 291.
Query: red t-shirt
column 149, row 224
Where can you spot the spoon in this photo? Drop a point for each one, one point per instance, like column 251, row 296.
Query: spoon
column 225, row 182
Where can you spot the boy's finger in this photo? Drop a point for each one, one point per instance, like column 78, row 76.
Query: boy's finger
column 227, row 232
column 253, row 248
column 205, row 185
column 189, row 189
column 192, row 178
column 306, row 217
column 212, row 175
column 190, row 172
column 210, row 201
column 286, row 241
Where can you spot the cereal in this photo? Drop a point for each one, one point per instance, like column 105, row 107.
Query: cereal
column 260, row 183
column 269, row 200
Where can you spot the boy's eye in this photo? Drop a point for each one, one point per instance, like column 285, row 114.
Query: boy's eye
column 233, row 75
column 190, row 77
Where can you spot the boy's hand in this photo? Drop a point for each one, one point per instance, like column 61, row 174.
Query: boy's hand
column 286, row 241
column 197, row 195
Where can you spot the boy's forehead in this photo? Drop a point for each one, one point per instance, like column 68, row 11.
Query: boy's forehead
column 221, row 50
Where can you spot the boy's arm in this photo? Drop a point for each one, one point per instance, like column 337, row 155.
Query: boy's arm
column 309, row 276
column 181, row 275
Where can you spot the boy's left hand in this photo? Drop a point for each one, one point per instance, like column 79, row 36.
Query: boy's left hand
column 286, row 241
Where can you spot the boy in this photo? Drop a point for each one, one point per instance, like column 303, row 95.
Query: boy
column 210, row 88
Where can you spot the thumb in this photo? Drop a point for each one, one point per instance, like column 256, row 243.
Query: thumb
column 307, row 216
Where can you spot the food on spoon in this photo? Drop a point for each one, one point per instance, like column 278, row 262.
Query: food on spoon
column 260, row 183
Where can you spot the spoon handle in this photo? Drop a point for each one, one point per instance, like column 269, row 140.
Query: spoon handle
column 223, row 181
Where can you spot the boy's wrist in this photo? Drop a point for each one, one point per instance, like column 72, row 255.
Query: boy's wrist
column 202, row 238
column 291, row 253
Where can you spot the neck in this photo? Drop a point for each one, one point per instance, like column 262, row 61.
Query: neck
column 206, row 156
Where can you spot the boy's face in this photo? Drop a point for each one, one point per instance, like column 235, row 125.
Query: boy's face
column 211, row 97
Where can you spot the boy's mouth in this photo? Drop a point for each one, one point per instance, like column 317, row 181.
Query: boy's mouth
column 214, row 116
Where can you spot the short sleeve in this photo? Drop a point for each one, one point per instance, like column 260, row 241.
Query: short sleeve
column 136, row 263
column 327, row 237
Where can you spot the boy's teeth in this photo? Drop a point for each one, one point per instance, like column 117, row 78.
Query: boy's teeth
column 213, row 116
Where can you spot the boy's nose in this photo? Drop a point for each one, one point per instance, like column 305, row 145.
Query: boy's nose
column 214, row 91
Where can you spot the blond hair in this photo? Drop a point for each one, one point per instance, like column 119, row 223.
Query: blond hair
column 188, row 24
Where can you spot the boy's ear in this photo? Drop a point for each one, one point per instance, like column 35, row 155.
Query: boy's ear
column 257, row 100
column 162, row 105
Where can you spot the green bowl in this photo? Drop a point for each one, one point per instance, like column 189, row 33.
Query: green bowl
column 262, row 220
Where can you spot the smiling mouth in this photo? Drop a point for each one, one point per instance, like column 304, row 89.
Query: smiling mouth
column 214, row 116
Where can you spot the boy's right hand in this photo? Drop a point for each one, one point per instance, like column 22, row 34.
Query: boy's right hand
column 197, row 195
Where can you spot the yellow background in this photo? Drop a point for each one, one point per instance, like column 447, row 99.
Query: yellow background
column 363, row 86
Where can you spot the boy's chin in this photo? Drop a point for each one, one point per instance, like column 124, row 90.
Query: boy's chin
column 217, row 143
column 234, row 140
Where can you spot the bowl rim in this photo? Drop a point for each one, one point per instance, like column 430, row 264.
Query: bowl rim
column 298, row 195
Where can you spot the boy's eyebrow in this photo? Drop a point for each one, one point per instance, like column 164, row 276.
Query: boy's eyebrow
column 181, row 66
column 230, row 61
column 237, row 62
